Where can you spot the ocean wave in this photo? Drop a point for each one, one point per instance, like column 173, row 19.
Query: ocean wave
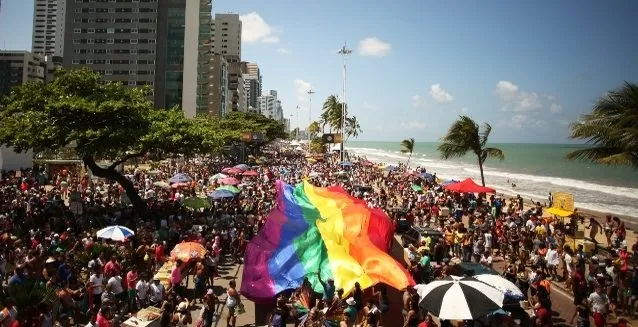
column 559, row 181
column 591, row 196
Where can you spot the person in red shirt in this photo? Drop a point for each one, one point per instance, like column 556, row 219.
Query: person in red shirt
column 112, row 267
column 159, row 254
column 102, row 318
column 543, row 315
column 131, row 281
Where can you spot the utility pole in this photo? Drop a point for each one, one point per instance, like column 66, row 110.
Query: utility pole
column 344, row 52
column 310, row 93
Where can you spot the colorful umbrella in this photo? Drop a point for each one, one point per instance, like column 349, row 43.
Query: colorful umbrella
column 187, row 251
column 196, row 202
column 221, row 194
column 250, row 173
column 231, row 188
column 346, row 164
column 225, row 170
column 229, row 181
column 178, row 185
column 115, row 233
column 179, row 178
column 242, row 166
column 163, row 185
column 219, row 176
column 417, row 188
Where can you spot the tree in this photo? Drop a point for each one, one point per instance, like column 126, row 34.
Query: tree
column 332, row 112
column 465, row 136
column 352, row 127
column 407, row 146
column 611, row 129
column 313, row 129
column 105, row 121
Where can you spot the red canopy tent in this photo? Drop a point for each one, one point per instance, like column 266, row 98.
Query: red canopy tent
column 468, row 186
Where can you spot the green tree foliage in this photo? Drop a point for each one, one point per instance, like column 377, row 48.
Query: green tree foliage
column 464, row 136
column 313, row 129
column 407, row 146
column 332, row 116
column 611, row 129
column 103, row 121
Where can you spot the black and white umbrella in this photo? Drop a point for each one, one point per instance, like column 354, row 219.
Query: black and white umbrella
column 459, row 298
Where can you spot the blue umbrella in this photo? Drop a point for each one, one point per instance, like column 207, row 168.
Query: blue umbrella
column 179, row 178
column 346, row 164
column 449, row 181
column 221, row 194
column 391, row 168
column 427, row 176
column 243, row 167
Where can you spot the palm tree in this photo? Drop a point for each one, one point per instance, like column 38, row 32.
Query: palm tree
column 407, row 146
column 352, row 127
column 465, row 135
column 611, row 128
column 331, row 112
column 313, row 129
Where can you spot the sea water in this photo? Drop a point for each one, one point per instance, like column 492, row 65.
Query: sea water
column 531, row 170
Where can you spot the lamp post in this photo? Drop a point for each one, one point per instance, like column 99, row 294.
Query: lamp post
column 298, row 126
column 344, row 51
column 310, row 93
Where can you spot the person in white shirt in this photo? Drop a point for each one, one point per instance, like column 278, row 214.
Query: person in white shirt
column 486, row 259
column 96, row 283
column 488, row 241
column 552, row 260
column 115, row 282
column 142, row 290
column 156, row 293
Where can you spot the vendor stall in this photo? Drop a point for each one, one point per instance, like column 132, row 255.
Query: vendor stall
column 147, row 317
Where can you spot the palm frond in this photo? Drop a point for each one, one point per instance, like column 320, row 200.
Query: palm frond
column 605, row 156
column 494, row 153
column 407, row 145
column 487, row 129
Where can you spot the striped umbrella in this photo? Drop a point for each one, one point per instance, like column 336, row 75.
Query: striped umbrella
column 459, row 298
column 115, row 233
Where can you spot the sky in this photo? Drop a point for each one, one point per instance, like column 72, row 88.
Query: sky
column 528, row 68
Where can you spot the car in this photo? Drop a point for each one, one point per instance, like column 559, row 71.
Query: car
column 415, row 234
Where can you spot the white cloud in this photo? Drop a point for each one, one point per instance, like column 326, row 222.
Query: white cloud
column 413, row 125
column 439, row 94
column 283, row 51
column 301, row 90
column 518, row 120
column 563, row 122
column 516, row 100
column 372, row 46
column 417, row 101
column 255, row 29
column 555, row 108
column 465, row 110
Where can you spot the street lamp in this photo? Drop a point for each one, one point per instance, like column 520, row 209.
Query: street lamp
column 344, row 52
column 298, row 126
column 310, row 93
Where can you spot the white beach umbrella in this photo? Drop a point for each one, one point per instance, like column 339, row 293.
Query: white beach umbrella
column 115, row 233
column 459, row 298
column 501, row 284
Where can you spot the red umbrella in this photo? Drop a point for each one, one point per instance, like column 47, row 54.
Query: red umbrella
column 468, row 186
column 178, row 185
column 226, row 170
column 229, row 181
column 250, row 173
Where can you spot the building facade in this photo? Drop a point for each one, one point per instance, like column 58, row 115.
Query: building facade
column 226, row 40
column 144, row 42
column 252, row 83
column 48, row 27
column 270, row 106
column 220, row 101
column 19, row 67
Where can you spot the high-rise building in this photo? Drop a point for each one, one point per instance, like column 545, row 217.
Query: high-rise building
column 48, row 27
column 226, row 40
column 19, row 67
column 252, row 83
column 220, row 100
column 145, row 42
column 270, row 106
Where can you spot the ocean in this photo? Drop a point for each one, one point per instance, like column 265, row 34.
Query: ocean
column 535, row 169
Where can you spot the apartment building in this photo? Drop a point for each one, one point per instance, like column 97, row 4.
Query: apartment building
column 226, row 40
column 19, row 67
column 48, row 27
column 144, row 42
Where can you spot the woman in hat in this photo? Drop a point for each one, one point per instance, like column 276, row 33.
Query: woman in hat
column 350, row 313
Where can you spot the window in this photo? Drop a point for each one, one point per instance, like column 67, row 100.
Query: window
column 111, row 10
column 77, row 30
column 133, row 41
column 110, row 30
column 107, row 61
column 77, row 41
column 109, row 41
column 92, row 10
column 75, row 61
column 132, row 83
column 133, row 51
column 108, row 72
column 77, row 10
column 132, row 72
column 89, row 41
column 90, row 30
column 134, row 30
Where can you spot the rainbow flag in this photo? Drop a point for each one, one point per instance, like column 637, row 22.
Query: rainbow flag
column 325, row 231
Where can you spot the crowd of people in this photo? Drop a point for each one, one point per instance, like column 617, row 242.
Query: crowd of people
column 56, row 271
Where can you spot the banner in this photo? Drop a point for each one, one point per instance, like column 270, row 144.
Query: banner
column 562, row 204
column 331, row 138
